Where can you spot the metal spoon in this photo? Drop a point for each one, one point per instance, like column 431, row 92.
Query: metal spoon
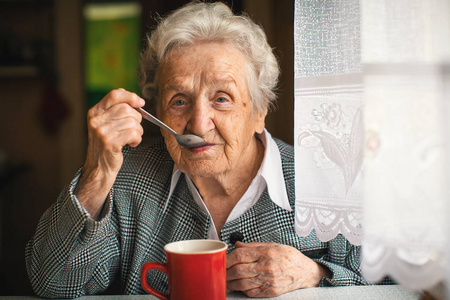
column 185, row 140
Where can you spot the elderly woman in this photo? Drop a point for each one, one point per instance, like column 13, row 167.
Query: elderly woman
column 211, row 74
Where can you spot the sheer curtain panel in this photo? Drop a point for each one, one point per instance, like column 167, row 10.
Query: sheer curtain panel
column 328, row 119
column 405, row 50
column 371, row 127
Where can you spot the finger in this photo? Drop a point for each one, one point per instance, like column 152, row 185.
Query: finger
column 253, row 293
column 115, row 142
column 117, row 118
column 122, row 110
column 242, row 271
column 120, row 96
column 248, row 252
column 115, row 135
column 254, row 287
column 242, row 255
column 126, row 126
column 254, row 244
column 134, row 138
column 261, row 292
column 244, row 284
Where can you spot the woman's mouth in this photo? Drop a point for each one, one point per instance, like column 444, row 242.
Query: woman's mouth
column 201, row 149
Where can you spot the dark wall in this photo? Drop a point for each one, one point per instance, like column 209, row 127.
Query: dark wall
column 34, row 140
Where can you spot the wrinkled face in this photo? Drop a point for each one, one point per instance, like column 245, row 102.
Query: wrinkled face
column 203, row 91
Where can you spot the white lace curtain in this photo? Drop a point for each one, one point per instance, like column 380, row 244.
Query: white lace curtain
column 371, row 123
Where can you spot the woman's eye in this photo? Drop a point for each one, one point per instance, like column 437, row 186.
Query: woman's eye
column 179, row 102
column 221, row 100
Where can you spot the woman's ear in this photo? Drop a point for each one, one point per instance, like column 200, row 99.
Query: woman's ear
column 260, row 121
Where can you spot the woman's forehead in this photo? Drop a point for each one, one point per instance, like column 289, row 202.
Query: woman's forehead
column 212, row 79
column 216, row 54
column 215, row 64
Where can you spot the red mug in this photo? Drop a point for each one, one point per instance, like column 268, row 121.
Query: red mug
column 196, row 270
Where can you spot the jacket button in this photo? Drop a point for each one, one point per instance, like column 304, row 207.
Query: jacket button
column 236, row 236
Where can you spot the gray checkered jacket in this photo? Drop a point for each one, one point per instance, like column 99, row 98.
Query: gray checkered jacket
column 72, row 255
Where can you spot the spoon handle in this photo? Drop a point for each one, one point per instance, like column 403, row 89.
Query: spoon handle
column 155, row 121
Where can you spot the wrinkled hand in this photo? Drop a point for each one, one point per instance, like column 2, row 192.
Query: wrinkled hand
column 270, row 269
column 112, row 124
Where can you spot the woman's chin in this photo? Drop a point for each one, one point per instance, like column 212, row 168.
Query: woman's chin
column 201, row 168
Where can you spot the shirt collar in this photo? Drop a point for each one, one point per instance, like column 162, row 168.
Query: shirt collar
column 271, row 170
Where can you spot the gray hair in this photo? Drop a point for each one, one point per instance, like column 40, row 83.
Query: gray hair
column 199, row 22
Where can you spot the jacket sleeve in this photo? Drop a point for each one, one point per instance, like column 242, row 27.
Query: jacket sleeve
column 71, row 254
column 344, row 261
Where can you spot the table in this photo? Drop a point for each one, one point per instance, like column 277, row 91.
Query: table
column 375, row 292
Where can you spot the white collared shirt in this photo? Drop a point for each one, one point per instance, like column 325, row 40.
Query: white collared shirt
column 269, row 175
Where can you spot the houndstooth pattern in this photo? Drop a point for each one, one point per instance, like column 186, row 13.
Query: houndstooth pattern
column 72, row 255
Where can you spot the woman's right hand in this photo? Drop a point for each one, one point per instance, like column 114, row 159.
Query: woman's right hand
column 112, row 124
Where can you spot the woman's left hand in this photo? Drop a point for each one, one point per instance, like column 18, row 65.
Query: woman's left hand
column 270, row 269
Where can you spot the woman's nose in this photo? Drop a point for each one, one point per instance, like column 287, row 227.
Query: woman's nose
column 201, row 119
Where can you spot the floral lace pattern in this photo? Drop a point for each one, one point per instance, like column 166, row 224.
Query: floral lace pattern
column 340, row 138
column 329, row 155
column 328, row 119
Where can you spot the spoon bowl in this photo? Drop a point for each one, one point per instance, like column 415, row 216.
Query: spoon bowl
column 185, row 140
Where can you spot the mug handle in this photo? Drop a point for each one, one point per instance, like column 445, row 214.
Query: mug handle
column 147, row 267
